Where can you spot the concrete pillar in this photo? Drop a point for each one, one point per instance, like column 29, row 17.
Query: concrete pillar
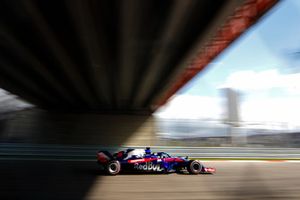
column 40, row 126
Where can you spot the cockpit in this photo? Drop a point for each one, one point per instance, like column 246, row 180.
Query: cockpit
column 163, row 155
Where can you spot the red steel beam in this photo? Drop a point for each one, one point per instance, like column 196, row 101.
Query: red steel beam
column 243, row 17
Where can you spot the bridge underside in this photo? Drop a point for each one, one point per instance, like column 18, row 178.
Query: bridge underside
column 105, row 56
column 111, row 57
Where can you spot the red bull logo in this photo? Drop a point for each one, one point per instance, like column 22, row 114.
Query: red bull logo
column 149, row 166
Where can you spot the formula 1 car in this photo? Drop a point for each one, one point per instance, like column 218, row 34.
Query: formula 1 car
column 142, row 160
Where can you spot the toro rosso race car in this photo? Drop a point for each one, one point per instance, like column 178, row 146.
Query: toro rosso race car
column 143, row 160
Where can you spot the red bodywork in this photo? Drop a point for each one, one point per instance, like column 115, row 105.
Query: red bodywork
column 209, row 170
column 102, row 158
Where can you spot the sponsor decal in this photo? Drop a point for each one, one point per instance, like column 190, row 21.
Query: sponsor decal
column 149, row 166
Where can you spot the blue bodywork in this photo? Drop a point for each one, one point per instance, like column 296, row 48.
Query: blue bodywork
column 143, row 160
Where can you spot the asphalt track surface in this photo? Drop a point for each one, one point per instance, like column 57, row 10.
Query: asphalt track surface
column 82, row 180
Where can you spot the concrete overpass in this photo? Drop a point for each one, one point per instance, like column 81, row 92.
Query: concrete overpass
column 114, row 58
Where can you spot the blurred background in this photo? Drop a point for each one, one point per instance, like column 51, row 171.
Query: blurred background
column 213, row 80
column 248, row 96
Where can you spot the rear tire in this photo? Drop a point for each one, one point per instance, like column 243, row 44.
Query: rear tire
column 113, row 167
column 194, row 167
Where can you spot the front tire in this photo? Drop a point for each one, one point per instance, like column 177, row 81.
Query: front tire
column 113, row 167
column 194, row 167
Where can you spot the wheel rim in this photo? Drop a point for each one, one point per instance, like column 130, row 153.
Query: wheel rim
column 196, row 166
column 113, row 168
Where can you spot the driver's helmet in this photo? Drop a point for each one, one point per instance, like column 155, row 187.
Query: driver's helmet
column 148, row 151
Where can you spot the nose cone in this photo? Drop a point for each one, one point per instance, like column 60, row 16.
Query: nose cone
column 210, row 170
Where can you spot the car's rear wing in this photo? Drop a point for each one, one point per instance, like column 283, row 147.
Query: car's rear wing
column 104, row 157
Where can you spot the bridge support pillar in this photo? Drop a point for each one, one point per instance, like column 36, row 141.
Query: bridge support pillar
column 37, row 126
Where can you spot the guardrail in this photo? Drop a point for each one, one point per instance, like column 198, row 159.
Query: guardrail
column 78, row 152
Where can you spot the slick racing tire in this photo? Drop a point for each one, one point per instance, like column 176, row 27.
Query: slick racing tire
column 194, row 167
column 113, row 167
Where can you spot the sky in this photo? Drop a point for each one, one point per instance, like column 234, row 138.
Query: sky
column 263, row 66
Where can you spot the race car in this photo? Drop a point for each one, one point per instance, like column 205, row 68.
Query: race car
column 143, row 160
